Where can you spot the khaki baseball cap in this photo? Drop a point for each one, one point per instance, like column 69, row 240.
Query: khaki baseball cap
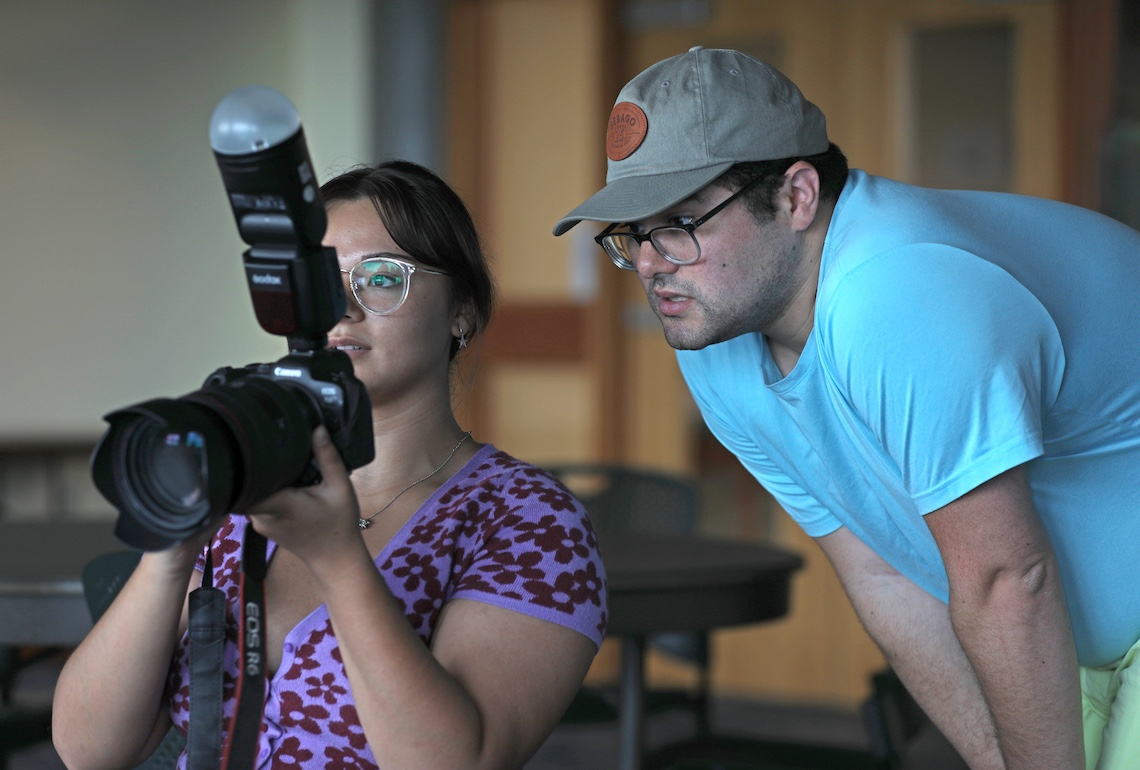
column 686, row 120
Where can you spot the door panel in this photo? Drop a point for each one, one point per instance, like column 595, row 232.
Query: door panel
column 531, row 83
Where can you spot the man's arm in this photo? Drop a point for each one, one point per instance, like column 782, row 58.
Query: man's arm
column 1007, row 609
column 913, row 629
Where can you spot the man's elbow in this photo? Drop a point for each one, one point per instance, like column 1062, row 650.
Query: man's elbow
column 1029, row 579
column 1036, row 577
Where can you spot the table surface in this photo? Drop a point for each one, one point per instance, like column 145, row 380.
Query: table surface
column 660, row 582
column 657, row 582
column 47, row 557
column 41, row 592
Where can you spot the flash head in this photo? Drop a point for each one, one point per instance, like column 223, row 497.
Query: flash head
column 252, row 119
column 293, row 280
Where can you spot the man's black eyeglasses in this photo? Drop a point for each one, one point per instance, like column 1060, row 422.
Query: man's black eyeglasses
column 676, row 243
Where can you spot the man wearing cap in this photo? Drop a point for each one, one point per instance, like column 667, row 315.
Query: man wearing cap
column 942, row 388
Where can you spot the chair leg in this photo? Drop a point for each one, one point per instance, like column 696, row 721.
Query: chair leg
column 892, row 718
column 20, row 729
column 875, row 723
column 702, row 707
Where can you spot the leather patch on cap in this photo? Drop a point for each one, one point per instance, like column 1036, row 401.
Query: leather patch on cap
column 626, row 130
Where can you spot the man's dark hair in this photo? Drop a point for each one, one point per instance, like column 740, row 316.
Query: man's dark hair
column 831, row 166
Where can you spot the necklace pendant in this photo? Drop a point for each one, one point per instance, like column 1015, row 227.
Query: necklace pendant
column 365, row 523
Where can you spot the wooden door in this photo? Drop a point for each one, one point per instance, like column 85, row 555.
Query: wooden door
column 575, row 366
column 866, row 63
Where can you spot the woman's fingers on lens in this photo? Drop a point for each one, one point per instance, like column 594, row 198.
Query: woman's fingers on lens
column 299, row 504
column 327, row 455
column 321, row 437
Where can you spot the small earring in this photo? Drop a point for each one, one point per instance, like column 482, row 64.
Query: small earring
column 462, row 338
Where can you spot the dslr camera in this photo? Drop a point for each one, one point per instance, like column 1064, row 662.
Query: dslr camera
column 174, row 467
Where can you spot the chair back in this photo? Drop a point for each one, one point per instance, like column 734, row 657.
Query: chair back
column 621, row 498
column 627, row 499
column 103, row 578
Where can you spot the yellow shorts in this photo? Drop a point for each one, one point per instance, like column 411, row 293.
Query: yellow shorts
column 1110, row 697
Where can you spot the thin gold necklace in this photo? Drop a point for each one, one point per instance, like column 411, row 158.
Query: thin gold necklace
column 365, row 523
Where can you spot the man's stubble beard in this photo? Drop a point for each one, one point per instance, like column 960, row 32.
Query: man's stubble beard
column 757, row 311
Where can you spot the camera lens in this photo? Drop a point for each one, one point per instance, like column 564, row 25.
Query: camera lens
column 178, row 468
column 173, row 467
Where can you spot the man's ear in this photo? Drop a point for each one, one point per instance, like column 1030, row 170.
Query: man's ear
column 802, row 188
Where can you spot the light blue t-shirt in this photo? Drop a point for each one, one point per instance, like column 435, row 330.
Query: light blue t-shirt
column 957, row 335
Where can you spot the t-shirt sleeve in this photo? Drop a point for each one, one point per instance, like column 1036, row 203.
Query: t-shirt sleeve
column 949, row 361
column 539, row 556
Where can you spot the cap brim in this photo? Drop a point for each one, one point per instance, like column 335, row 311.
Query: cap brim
column 634, row 198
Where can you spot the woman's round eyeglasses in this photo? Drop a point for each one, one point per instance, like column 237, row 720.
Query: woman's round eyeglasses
column 676, row 243
column 380, row 284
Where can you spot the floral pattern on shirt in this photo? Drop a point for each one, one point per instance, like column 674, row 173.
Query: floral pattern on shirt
column 500, row 531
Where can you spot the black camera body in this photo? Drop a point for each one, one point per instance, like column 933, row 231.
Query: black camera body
column 320, row 382
column 174, row 467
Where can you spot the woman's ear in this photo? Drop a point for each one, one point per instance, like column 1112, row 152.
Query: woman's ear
column 463, row 324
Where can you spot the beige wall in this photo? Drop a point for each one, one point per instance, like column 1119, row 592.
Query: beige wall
column 122, row 275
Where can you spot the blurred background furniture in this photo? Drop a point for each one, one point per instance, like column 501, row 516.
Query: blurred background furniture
column 625, row 499
column 893, row 719
column 21, row 725
column 103, row 578
column 899, row 736
column 670, row 582
column 42, row 614
column 55, row 579
column 664, row 576
column 41, row 595
column 669, row 588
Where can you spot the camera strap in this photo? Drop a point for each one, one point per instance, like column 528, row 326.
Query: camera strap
column 207, row 641
column 245, row 726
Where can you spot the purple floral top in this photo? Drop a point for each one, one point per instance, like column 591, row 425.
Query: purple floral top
column 499, row 531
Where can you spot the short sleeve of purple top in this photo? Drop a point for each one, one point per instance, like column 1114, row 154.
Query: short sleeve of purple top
column 499, row 531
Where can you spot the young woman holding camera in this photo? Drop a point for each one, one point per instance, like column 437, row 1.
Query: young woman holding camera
column 438, row 610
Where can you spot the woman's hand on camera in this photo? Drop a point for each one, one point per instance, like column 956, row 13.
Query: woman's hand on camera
column 182, row 557
column 314, row 520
